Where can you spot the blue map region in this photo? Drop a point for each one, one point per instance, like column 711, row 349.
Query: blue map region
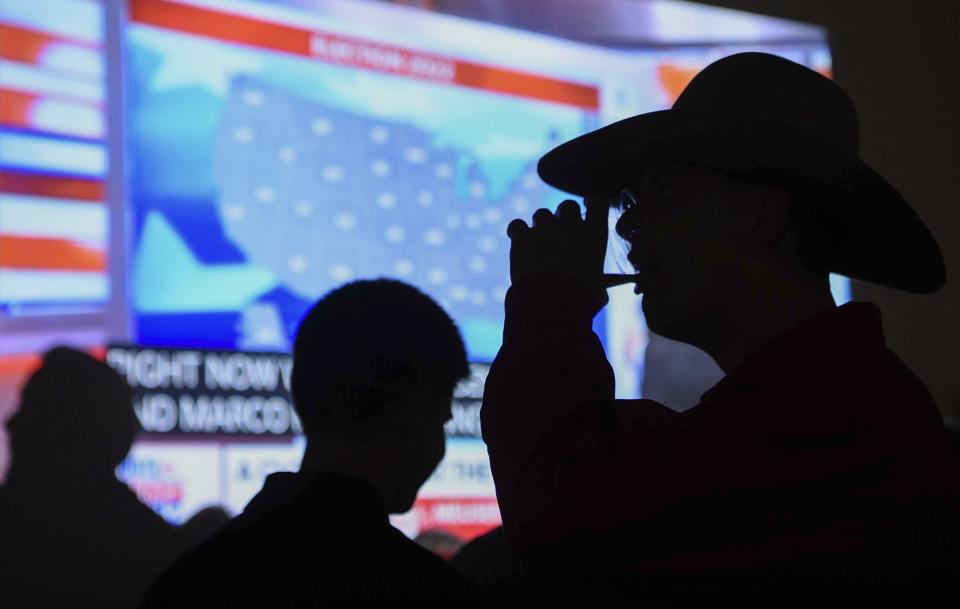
column 321, row 196
column 257, row 190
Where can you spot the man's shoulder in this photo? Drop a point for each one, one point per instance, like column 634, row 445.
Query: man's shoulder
column 420, row 575
column 417, row 556
column 247, row 558
column 199, row 577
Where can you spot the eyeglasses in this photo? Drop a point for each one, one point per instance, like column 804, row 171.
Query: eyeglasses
column 632, row 219
column 632, row 215
column 646, row 203
column 628, row 223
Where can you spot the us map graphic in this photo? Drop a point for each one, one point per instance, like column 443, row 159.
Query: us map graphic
column 263, row 177
column 321, row 196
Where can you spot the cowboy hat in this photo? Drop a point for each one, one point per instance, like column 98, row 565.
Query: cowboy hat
column 770, row 119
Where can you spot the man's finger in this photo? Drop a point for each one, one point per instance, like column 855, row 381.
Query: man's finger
column 517, row 228
column 543, row 217
column 569, row 211
column 598, row 212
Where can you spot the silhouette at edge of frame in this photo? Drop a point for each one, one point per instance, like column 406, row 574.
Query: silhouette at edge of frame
column 375, row 366
column 70, row 532
column 819, row 465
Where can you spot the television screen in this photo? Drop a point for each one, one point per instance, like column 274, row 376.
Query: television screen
column 53, row 158
column 278, row 154
column 199, row 172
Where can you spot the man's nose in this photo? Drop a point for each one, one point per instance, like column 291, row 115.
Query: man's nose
column 625, row 226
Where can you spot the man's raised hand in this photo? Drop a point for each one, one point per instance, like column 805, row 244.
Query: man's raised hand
column 563, row 242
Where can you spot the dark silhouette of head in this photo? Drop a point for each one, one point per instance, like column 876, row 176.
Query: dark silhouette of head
column 711, row 243
column 75, row 421
column 745, row 195
column 375, row 366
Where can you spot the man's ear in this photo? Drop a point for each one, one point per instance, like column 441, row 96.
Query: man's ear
column 771, row 207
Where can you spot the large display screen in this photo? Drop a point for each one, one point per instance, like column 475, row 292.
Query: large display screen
column 263, row 153
column 278, row 157
column 53, row 158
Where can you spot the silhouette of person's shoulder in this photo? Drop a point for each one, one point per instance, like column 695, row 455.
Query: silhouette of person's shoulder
column 490, row 567
column 312, row 540
column 72, row 534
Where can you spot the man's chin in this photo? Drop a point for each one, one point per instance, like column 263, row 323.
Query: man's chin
column 402, row 505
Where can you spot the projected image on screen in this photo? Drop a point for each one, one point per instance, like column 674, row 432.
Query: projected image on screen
column 264, row 179
column 53, row 161
column 276, row 152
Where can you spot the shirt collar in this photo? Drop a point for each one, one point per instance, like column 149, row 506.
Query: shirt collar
column 824, row 338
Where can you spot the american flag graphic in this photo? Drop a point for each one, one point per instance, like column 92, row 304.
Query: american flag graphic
column 53, row 160
column 321, row 196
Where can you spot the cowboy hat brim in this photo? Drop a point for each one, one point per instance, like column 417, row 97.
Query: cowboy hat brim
column 884, row 241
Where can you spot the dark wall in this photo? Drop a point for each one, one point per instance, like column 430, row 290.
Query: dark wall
column 900, row 62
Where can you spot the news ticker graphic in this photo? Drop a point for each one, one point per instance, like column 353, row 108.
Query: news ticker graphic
column 179, row 478
column 208, row 392
column 176, row 480
column 196, row 392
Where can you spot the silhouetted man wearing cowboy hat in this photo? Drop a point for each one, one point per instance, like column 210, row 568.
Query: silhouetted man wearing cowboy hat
column 819, row 463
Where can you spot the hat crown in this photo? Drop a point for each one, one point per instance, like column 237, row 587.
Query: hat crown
column 768, row 117
column 759, row 86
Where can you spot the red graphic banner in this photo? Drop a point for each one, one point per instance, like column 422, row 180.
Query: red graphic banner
column 360, row 53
